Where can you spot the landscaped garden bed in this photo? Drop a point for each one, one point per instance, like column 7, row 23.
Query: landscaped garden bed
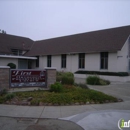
column 69, row 95
column 63, row 92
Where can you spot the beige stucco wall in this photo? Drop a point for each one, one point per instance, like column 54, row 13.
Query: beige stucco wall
column 112, row 62
column 72, row 62
column 56, row 61
column 122, row 56
column 5, row 61
column 117, row 61
column 92, row 62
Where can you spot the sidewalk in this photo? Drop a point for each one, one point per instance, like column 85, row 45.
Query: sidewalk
column 58, row 111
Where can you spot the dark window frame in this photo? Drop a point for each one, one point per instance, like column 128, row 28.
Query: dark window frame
column 104, row 60
column 37, row 61
column 49, row 60
column 63, row 61
column 81, row 60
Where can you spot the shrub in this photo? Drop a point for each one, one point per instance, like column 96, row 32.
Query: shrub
column 67, row 80
column 2, row 100
column 65, row 77
column 3, row 92
column 11, row 65
column 84, row 86
column 95, row 80
column 9, row 96
column 35, row 102
column 56, row 87
column 65, row 74
column 103, row 73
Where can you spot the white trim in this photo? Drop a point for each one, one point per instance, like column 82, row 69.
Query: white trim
column 4, row 67
column 19, row 57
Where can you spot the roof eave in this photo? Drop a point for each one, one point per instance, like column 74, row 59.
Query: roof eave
column 18, row 57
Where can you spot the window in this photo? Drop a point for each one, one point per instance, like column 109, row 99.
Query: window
column 17, row 52
column 49, row 61
column 63, row 61
column 104, row 60
column 82, row 61
column 37, row 61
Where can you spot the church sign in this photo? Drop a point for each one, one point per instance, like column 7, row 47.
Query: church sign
column 29, row 77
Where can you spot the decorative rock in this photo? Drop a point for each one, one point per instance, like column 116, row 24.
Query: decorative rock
column 24, row 103
column 92, row 102
column 62, row 104
column 87, row 103
column 76, row 103
column 29, row 99
column 18, row 103
column 15, row 99
column 29, row 103
column 24, row 100
column 7, row 102
column 81, row 103
column 71, row 103
column 41, row 104
column 55, row 104
column 45, row 104
column 49, row 104
column 106, row 101
column 120, row 100
column 14, row 103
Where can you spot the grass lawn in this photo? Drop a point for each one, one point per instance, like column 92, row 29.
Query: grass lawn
column 69, row 96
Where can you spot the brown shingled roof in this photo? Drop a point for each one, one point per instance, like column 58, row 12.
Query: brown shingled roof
column 8, row 42
column 110, row 40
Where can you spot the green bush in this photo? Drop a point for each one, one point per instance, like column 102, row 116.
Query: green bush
column 84, row 86
column 35, row 102
column 9, row 96
column 56, row 87
column 65, row 77
column 67, row 80
column 95, row 80
column 103, row 73
column 3, row 92
column 2, row 99
column 11, row 65
column 65, row 74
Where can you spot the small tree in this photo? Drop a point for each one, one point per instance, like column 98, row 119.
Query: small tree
column 2, row 31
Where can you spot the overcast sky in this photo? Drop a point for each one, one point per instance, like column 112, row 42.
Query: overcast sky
column 43, row 19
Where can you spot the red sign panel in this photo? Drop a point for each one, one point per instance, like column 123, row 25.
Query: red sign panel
column 27, row 78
